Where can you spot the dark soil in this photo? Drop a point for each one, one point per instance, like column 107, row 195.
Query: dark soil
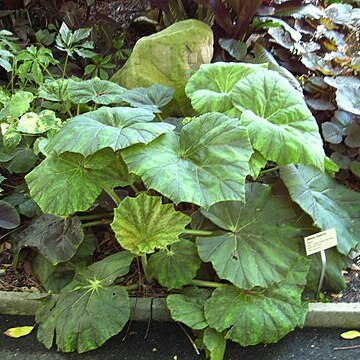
column 22, row 279
column 352, row 278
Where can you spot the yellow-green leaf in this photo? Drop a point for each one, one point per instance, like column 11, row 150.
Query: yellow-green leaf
column 19, row 331
column 349, row 335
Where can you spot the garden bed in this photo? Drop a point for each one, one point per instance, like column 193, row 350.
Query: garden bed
column 195, row 181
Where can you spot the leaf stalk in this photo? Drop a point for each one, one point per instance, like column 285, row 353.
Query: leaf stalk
column 197, row 232
column 203, row 283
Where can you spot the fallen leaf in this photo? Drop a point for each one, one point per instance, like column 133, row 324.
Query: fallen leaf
column 19, row 331
column 349, row 335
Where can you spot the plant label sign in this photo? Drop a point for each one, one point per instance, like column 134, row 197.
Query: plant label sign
column 320, row 241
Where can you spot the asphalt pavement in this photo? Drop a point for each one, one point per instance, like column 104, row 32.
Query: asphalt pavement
column 167, row 341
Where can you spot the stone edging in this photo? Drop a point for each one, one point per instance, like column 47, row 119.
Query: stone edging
column 340, row 315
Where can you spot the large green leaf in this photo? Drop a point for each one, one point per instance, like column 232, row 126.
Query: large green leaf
column 54, row 278
column 67, row 183
column 9, row 217
column 56, row 238
column 101, row 92
column 209, row 89
column 56, row 90
column 260, row 244
column 175, row 267
column 280, row 125
column 116, row 128
column 188, row 307
column 88, row 311
column 206, row 164
column 330, row 204
column 258, row 317
column 151, row 98
column 143, row 223
column 23, row 159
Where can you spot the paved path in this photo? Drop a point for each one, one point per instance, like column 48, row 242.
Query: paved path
column 166, row 341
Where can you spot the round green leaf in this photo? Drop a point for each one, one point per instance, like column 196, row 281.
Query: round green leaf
column 330, row 204
column 209, row 89
column 79, row 316
column 9, row 217
column 333, row 133
column 67, row 183
column 175, row 267
column 353, row 135
column 188, row 307
column 23, row 161
column 348, row 94
column 342, row 161
column 259, row 246
column 151, row 98
column 56, row 238
column 101, row 92
column 258, row 317
column 33, row 123
column 88, row 310
column 280, row 125
column 143, row 223
column 116, row 128
column 206, row 164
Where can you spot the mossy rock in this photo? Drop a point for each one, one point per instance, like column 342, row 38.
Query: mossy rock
column 169, row 57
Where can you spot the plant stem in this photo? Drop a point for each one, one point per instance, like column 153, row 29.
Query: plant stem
column 136, row 190
column 269, row 170
column 197, row 232
column 69, row 112
column 96, row 223
column 203, row 283
column 96, row 216
column 132, row 287
column 12, row 81
column 47, row 71
column 65, row 66
column 9, row 186
column 112, row 194
column 159, row 117
column 144, row 262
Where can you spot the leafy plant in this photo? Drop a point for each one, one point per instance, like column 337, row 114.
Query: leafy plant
column 100, row 67
column 33, row 62
column 74, row 42
column 8, row 49
column 192, row 198
column 222, row 216
column 121, row 52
